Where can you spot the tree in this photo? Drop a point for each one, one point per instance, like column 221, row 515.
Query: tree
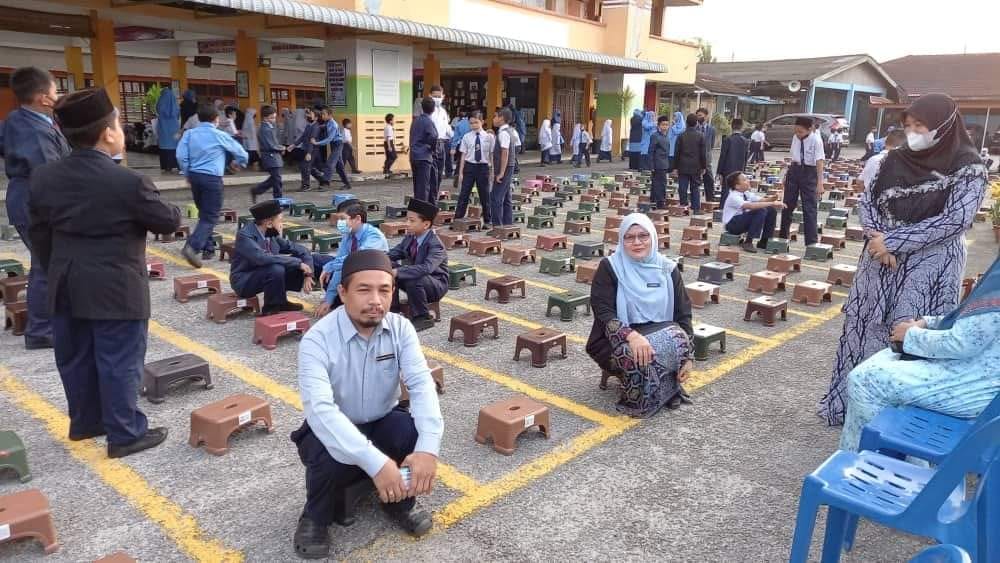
column 704, row 51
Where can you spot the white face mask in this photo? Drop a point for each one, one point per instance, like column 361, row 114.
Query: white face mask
column 921, row 141
column 437, row 100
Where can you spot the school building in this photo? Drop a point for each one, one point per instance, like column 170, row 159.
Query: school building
column 590, row 59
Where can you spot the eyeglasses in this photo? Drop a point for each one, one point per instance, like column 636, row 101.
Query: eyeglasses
column 640, row 238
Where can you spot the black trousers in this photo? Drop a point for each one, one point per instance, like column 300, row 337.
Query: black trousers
column 419, row 292
column 395, row 435
column 390, row 157
column 348, row 158
column 478, row 174
column 424, row 187
column 658, row 191
column 755, row 223
column 800, row 182
column 273, row 182
column 439, row 153
column 708, row 178
column 274, row 280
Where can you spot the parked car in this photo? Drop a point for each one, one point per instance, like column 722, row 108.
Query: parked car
column 781, row 129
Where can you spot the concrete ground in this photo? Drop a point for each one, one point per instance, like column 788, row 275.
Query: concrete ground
column 715, row 481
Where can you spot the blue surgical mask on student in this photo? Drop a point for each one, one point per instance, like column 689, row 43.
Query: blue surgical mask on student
column 342, row 226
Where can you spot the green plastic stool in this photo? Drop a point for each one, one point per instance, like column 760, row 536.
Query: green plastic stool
column 557, row 264
column 836, row 222
column 395, row 212
column 371, row 204
column 777, row 246
column 588, row 249
column 539, row 222
column 546, row 210
column 447, row 205
column 323, row 243
column 376, row 221
column 729, row 239
column 11, row 268
column 8, row 232
column 819, row 252
column 567, row 303
column 578, row 215
column 844, row 212
column 301, row 209
column 13, row 455
column 518, row 216
column 704, row 336
column 191, row 211
column 459, row 272
column 243, row 221
column 797, row 217
column 514, row 206
column 322, row 213
column 591, row 206
column 552, row 201
column 298, row 233
column 826, row 205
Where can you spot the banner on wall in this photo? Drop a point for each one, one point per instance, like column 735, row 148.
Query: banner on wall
column 385, row 78
column 336, row 83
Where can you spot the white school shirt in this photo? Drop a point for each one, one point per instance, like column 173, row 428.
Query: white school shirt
column 468, row 147
column 757, row 136
column 441, row 123
column 870, row 138
column 734, row 204
column 813, row 145
column 389, row 134
column 348, row 138
column 835, row 138
column 872, row 166
column 504, row 137
column 515, row 137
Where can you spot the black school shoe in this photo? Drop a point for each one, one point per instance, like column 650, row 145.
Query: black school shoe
column 37, row 342
column 191, row 255
column 416, row 522
column 282, row 308
column 312, row 540
column 154, row 437
column 422, row 322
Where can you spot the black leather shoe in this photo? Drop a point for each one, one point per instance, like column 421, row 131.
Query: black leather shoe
column 312, row 540
column 748, row 246
column 253, row 197
column 154, row 437
column 289, row 306
column 207, row 254
column 191, row 255
column 87, row 435
column 416, row 522
column 674, row 403
column 422, row 323
column 284, row 307
column 37, row 342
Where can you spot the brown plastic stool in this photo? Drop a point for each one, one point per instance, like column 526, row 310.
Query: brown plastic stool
column 585, row 271
column 484, row 246
column 678, row 211
column 504, row 286
column 695, row 248
column 221, row 305
column 576, row 227
column 538, row 342
column 613, row 222
column 437, row 374
column 159, row 376
column 11, row 288
column 213, row 423
column 446, row 217
column 701, row 293
column 26, row 515
column 605, row 374
column 517, row 255
column 856, row 234
column 16, row 317
column 155, row 270
column 116, row 557
column 767, row 308
column 184, row 285
column 695, row 233
column 472, row 324
column 767, row 282
column 466, row 224
column 842, row 274
column 551, row 242
column 697, row 221
column 267, row 330
column 505, row 232
column 728, row 255
column 784, row 263
column 611, row 236
column 811, row 292
column 835, row 240
column 504, row 421
column 451, row 240
column 227, row 249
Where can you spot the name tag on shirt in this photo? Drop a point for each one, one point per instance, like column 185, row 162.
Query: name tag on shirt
column 653, row 284
column 384, row 357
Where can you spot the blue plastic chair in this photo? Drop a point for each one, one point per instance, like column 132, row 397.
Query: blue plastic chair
column 917, row 500
column 341, row 198
column 942, row 554
column 285, row 202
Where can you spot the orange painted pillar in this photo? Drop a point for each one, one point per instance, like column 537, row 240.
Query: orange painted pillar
column 588, row 102
column 546, row 96
column 264, row 77
column 74, row 67
column 178, row 73
column 494, row 87
column 432, row 73
column 246, row 62
column 103, row 57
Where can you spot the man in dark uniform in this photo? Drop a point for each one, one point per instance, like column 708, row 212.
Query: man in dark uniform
column 90, row 236
column 28, row 140
column 732, row 156
column 421, row 264
column 423, row 147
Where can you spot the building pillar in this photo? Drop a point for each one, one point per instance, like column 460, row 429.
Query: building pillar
column 810, row 98
column 246, row 61
column 612, row 103
column 494, row 87
column 74, row 67
column 849, row 105
column 432, row 73
column 546, row 96
column 264, row 78
column 103, row 57
column 588, row 103
column 178, row 73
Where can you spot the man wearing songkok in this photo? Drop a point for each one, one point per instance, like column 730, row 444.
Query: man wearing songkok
column 421, row 264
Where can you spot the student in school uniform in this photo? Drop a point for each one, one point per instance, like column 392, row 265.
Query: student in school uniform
column 349, row 159
column 545, row 140
column 732, row 156
column 310, row 162
column 584, row 147
column 895, row 139
column 659, row 156
column 502, row 210
column 420, row 262
column 745, row 213
column 804, row 179
column 459, row 128
column 389, row 144
column 757, row 141
column 270, row 154
column 690, row 162
column 356, row 234
column 201, row 154
column 423, row 145
column 836, row 138
column 442, row 125
column 333, row 139
column 574, row 145
column 869, row 145
column 708, row 131
column 515, row 138
column 607, row 135
column 249, row 135
column 555, row 151
column 476, row 150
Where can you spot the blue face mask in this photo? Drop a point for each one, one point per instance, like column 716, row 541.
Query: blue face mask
column 342, row 226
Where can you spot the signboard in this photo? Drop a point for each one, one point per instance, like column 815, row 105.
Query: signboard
column 216, row 46
column 336, row 83
column 385, row 78
column 141, row 33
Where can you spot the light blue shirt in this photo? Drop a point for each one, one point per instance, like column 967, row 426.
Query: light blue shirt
column 203, row 150
column 331, row 132
column 368, row 237
column 346, row 380
column 44, row 116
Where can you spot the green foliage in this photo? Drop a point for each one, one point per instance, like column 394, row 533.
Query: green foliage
column 723, row 127
column 152, row 96
column 704, row 51
column 625, row 99
column 664, row 108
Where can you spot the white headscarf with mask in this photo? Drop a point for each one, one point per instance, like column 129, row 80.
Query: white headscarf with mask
column 576, row 139
column 250, row 130
column 545, row 135
column 606, row 136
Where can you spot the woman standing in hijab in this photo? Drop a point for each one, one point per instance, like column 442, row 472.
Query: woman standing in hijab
column 676, row 130
column 545, row 140
column 555, row 152
column 249, row 132
column 642, row 322
column 606, row 139
column 574, row 143
column 648, row 126
column 915, row 215
column 167, row 129
column 189, row 105
column 634, row 139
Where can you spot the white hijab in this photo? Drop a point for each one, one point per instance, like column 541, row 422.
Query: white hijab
column 557, row 139
column 576, row 139
column 545, row 135
column 250, row 130
column 606, row 135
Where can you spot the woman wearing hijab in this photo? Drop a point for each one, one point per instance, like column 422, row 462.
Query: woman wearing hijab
column 249, row 132
column 189, row 105
column 915, row 215
column 634, row 139
column 677, row 129
column 545, row 140
column 949, row 366
column 555, row 152
column 642, row 321
column 648, row 126
column 167, row 129
column 574, row 143
column 606, row 140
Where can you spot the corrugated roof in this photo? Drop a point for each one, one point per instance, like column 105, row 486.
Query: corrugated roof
column 963, row 77
column 749, row 72
column 717, row 85
column 356, row 20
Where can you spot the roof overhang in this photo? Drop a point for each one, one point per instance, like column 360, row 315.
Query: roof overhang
column 860, row 60
column 437, row 37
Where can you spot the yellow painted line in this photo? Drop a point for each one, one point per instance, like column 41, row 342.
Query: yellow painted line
column 524, row 388
column 450, row 476
column 790, row 311
column 179, row 526
column 743, row 335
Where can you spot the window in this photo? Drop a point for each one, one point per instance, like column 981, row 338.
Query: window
column 586, row 9
column 789, row 120
column 656, row 18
